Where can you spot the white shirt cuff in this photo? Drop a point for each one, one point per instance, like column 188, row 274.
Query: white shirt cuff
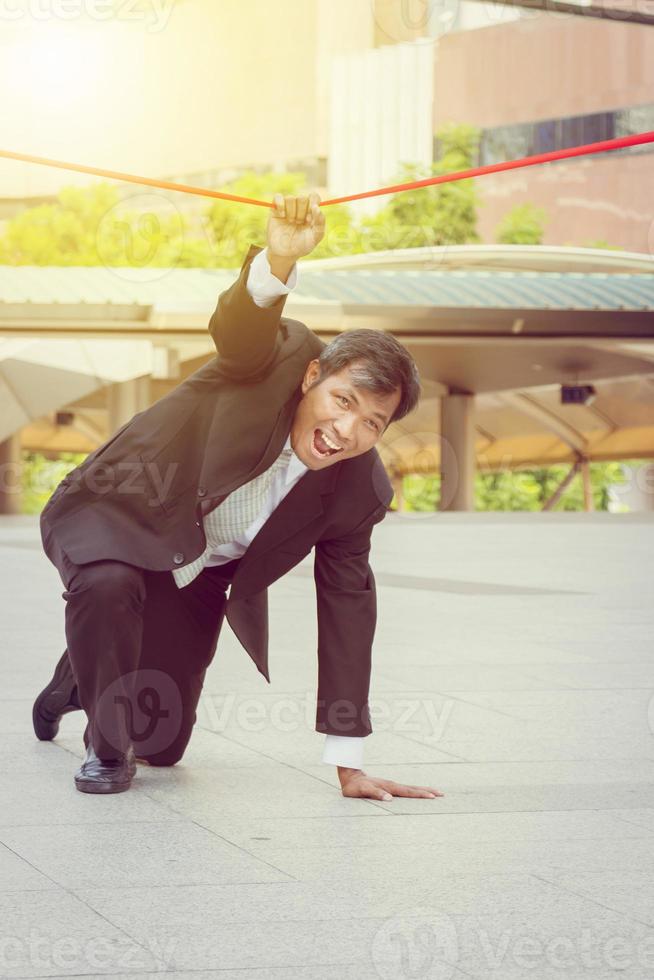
column 343, row 750
column 262, row 285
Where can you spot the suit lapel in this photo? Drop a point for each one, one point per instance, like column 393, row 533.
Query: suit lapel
column 221, row 489
column 301, row 505
column 299, row 508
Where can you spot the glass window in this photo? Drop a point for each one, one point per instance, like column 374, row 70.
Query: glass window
column 599, row 126
column 570, row 132
column 545, row 136
column 505, row 143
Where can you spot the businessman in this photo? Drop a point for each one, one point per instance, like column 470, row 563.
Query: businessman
column 195, row 506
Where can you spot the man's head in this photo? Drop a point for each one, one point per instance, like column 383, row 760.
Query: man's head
column 362, row 381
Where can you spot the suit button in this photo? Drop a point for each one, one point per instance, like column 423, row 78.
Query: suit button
column 202, row 491
column 197, row 523
column 178, row 558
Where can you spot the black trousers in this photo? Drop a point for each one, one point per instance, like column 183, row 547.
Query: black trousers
column 139, row 648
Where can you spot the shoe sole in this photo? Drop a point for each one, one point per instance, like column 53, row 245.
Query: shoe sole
column 88, row 786
column 105, row 786
column 44, row 728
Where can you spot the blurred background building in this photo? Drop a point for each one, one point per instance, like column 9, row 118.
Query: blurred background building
column 344, row 90
column 347, row 92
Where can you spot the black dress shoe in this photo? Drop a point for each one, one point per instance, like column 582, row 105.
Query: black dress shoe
column 55, row 700
column 105, row 775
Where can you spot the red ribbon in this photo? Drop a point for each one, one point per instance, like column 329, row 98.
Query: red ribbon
column 494, row 168
column 574, row 151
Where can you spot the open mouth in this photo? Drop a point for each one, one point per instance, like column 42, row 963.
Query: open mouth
column 323, row 446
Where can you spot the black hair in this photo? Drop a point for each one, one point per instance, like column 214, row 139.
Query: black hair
column 384, row 364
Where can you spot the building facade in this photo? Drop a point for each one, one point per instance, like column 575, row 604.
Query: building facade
column 346, row 91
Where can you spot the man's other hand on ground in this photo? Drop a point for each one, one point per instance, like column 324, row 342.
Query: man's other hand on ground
column 355, row 782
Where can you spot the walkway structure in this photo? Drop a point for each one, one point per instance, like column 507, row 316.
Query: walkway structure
column 496, row 331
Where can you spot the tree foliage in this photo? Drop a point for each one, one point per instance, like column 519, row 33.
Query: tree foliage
column 233, row 227
column 526, row 489
column 94, row 225
column 441, row 214
column 40, row 477
column 91, row 226
column 524, row 224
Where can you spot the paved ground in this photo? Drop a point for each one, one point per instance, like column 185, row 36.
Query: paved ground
column 513, row 669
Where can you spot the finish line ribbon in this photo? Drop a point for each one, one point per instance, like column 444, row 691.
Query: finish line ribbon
column 573, row 151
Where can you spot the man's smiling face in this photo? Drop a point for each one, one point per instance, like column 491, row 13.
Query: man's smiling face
column 336, row 420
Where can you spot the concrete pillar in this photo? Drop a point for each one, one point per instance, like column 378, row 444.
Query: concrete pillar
column 398, row 489
column 589, row 503
column 165, row 363
column 457, row 452
column 125, row 399
column 11, row 494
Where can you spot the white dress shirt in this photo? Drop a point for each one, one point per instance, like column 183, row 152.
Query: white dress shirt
column 265, row 288
column 283, row 481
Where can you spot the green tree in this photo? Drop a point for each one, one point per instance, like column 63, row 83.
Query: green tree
column 90, row 226
column 518, row 490
column 61, row 233
column 40, row 477
column 529, row 489
column 441, row 214
column 233, row 227
column 421, row 493
column 524, row 224
column 602, row 243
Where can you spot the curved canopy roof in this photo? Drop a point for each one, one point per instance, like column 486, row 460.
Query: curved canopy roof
column 507, row 323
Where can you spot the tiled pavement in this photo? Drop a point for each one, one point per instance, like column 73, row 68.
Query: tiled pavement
column 513, row 669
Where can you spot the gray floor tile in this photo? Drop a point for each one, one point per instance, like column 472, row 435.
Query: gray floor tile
column 625, row 891
column 519, row 645
column 53, row 933
column 271, row 789
column 134, row 854
column 25, row 795
column 17, row 875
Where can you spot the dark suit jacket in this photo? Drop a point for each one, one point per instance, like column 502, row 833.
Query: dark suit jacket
column 140, row 497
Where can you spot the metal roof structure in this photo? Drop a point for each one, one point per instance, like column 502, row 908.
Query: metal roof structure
column 509, row 324
column 28, row 289
column 474, row 290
